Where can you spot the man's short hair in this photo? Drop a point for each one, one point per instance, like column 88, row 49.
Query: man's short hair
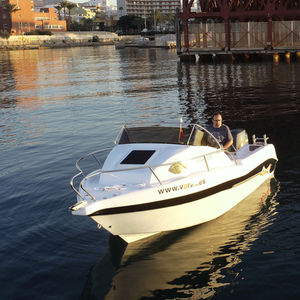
column 216, row 113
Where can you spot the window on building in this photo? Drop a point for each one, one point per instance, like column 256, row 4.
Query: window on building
column 41, row 18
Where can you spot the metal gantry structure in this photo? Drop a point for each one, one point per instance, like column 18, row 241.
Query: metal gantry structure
column 228, row 12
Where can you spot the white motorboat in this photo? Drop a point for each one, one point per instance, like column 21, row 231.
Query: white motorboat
column 166, row 178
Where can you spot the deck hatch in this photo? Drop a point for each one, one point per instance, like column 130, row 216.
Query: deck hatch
column 137, row 157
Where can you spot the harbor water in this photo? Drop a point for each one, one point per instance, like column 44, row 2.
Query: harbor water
column 57, row 105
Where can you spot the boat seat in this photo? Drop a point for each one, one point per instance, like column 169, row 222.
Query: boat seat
column 240, row 138
column 200, row 138
column 125, row 138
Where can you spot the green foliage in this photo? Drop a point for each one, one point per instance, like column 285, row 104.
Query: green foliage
column 70, row 6
column 10, row 8
column 170, row 18
column 85, row 25
column 39, row 32
column 75, row 26
column 4, row 34
column 130, row 24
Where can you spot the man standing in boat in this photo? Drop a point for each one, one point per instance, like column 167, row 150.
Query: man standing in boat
column 220, row 131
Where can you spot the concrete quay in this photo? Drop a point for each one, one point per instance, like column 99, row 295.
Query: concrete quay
column 58, row 40
column 79, row 39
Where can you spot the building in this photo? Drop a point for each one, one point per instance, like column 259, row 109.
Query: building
column 104, row 20
column 95, row 3
column 78, row 13
column 146, row 8
column 47, row 19
column 101, row 14
column 23, row 17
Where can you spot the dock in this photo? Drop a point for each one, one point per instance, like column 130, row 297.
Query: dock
column 240, row 55
column 236, row 29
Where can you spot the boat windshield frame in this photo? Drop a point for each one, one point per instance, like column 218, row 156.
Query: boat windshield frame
column 199, row 127
column 130, row 135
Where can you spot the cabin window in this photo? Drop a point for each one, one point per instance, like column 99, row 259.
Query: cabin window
column 137, row 157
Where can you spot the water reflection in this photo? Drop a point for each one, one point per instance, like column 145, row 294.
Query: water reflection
column 7, row 80
column 193, row 262
column 36, row 86
column 142, row 76
column 241, row 91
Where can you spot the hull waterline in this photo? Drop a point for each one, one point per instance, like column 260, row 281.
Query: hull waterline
column 142, row 224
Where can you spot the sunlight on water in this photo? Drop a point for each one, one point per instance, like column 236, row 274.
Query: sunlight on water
column 57, row 105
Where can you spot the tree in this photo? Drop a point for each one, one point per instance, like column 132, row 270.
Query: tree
column 10, row 8
column 84, row 25
column 130, row 23
column 87, row 24
column 157, row 18
column 170, row 18
column 64, row 6
column 70, row 6
column 58, row 8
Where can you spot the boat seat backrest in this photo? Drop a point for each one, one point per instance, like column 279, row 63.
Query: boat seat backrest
column 240, row 138
column 198, row 138
column 125, row 137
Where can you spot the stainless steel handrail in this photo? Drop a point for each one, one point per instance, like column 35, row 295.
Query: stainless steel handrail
column 135, row 168
column 73, row 188
column 88, row 155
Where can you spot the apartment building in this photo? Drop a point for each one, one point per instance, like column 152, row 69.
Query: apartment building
column 47, row 19
column 144, row 8
column 25, row 19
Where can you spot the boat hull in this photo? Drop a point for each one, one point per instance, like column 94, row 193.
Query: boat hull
column 146, row 188
column 141, row 223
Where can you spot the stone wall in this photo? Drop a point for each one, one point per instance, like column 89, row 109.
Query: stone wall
column 57, row 40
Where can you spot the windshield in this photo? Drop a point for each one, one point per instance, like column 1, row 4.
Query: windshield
column 198, row 136
column 202, row 137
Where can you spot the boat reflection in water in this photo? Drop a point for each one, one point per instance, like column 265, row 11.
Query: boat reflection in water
column 192, row 262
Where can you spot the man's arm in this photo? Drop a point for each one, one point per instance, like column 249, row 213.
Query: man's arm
column 228, row 144
column 229, row 139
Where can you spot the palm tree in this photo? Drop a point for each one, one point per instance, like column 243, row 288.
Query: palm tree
column 70, row 6
column 58, row 8
column 64, row 6
column 157, row 17
column 170, row 18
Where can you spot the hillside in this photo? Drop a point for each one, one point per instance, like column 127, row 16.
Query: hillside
column 41, row 3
